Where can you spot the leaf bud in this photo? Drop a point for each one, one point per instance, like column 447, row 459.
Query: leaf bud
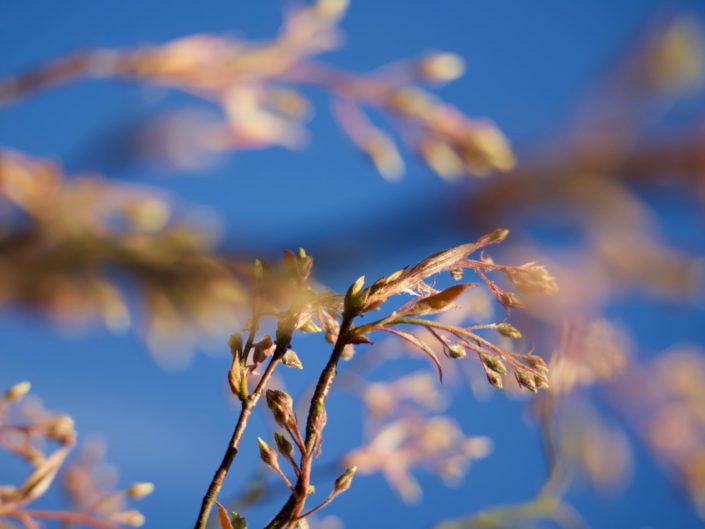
column 291, row 359
column 343, row 482
column 508, row 330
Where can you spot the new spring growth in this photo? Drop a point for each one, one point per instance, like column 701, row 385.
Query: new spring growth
column 17, row 391
column 526, row 380
column 493, row 363
column 508, row 330
column 343, row 482
column 263, row 349
column 283, row 445
column 494, row 379
column 510, row 300
column 456, row 350
column 236, row 378
column 353, row 297
column 281, row 406
column 267, row 454
column 291, row 359
column 537, row 363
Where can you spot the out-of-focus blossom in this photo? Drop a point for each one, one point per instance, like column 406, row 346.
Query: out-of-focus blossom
column 665, row 400
column 71, row 246
column 598, row 450
column 437, row 444
column 588, row 352
column 258, row 85
column 385, row 398
column 44, row 440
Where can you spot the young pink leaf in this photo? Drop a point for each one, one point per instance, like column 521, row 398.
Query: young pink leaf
column 223, row 517
column 435, row 303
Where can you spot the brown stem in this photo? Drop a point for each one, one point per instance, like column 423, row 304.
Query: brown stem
column 291, row 510
column 318, row 507
column 460, row 333
column 247, row 406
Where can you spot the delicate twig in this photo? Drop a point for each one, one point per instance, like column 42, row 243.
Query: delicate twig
column 247, row 406
column 460, row 332
column 294, row 505
column 295, row 435
column 318, row 507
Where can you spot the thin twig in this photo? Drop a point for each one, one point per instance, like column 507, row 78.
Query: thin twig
column 291, row 510
column 247, row 406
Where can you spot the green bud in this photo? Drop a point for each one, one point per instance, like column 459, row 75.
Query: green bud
column 495, row 379
column 511, row 301
column 291, row 359
column 508, row 330
column 343, row 482
column 537, row 363
column 493, row 363
column 283, row 445
column 266, row 454
column 352, row 297
column 281, row 406
column 456, row 350
column 526, row 380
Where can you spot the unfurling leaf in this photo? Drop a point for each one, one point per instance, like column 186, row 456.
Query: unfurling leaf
column 291, row 359
column 226, row 522
column 235, row 375
column 263, row 349
column 435, row 303
column 309, row 326
column 352, row 297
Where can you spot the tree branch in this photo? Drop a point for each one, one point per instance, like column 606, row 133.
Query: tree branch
column 315, row 421
column 233, row 446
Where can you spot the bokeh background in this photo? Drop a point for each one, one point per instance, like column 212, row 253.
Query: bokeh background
column 531, row 66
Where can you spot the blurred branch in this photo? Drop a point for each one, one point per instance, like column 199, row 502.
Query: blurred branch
column 256, row 87
column 26, row 431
